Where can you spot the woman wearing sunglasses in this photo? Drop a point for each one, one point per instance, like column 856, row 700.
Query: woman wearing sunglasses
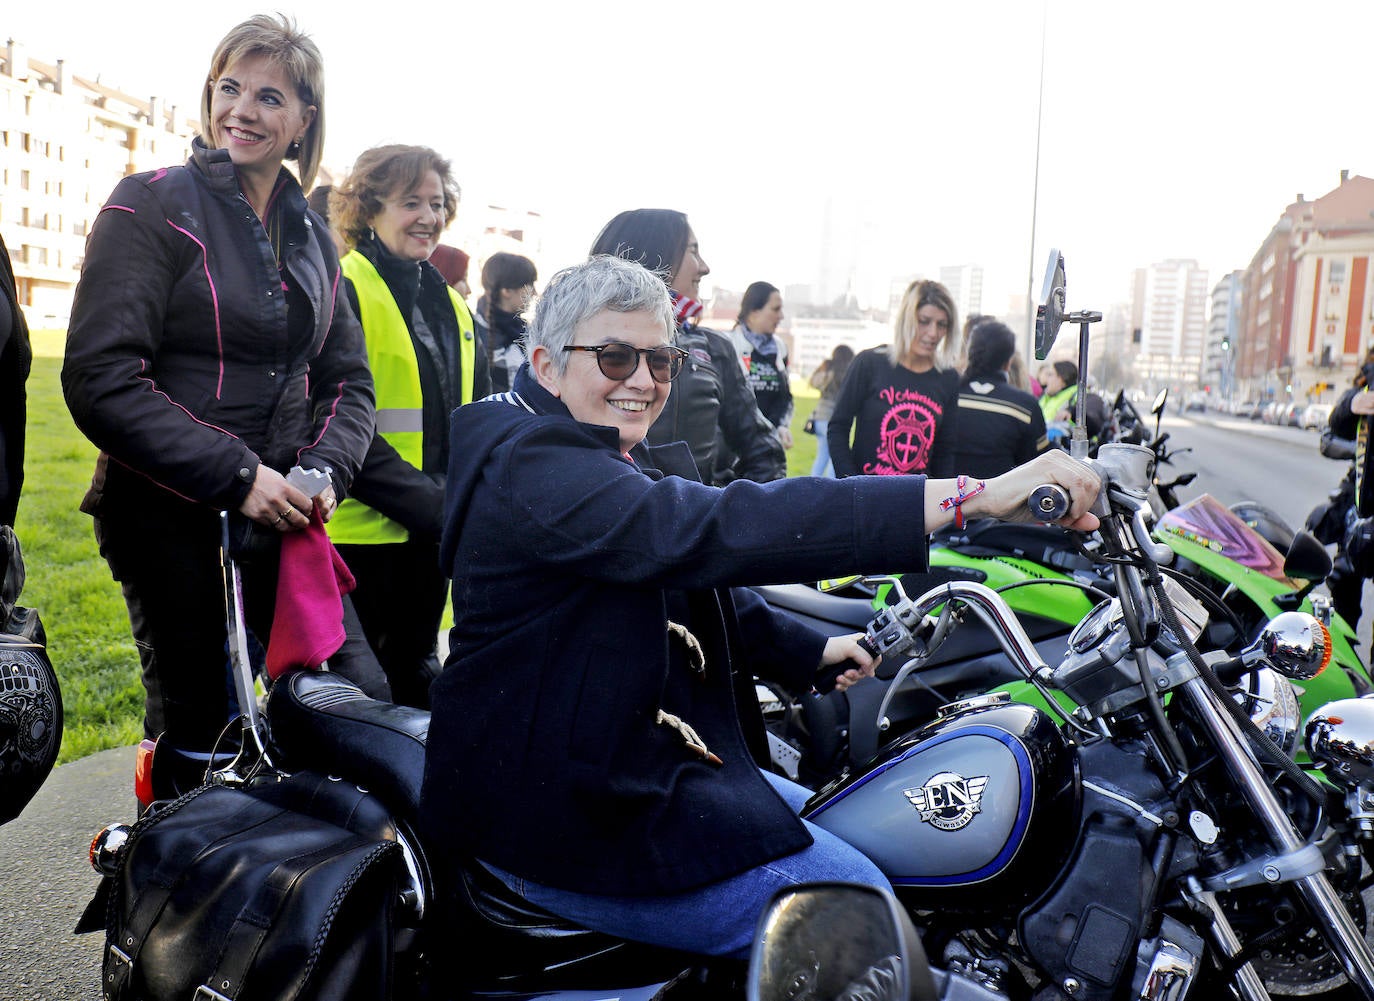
column 601, row 651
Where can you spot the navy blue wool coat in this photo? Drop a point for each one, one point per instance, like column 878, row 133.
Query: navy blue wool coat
column 568, row 562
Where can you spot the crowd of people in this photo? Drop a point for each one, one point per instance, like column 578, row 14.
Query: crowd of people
column 592, row 486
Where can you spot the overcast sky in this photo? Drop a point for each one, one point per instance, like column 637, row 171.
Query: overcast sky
column 1170, row 128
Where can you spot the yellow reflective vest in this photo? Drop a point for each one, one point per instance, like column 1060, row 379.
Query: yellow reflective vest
column 396, row 382
column 1050, row 405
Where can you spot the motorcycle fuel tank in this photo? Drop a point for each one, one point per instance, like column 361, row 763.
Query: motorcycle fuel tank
column 973, row 809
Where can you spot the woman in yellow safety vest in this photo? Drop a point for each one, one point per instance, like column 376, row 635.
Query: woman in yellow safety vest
column 425, row 361
column 1059, row 403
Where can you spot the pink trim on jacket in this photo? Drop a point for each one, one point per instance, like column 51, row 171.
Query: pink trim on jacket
column 214, row 299
column 143, row 364
column 121, row 208
column 334, row 409
column 160, row 485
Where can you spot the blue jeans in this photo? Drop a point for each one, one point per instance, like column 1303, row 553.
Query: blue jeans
column 822, row 467
column 719, row 919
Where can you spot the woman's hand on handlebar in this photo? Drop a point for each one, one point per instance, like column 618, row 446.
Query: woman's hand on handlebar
column 273, row 502
column 839, row 649
column 1005, row 497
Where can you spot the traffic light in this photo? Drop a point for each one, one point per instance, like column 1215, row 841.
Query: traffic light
column 1226, row 344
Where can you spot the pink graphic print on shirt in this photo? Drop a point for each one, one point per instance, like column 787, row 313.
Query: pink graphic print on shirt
column 906, row 434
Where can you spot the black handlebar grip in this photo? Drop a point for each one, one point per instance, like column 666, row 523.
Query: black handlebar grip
column 868, row 645
column 1049, row 502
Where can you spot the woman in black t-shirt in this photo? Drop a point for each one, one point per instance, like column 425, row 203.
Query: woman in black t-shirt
column 903, row 398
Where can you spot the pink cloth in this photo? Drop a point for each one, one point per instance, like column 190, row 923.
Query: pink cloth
column 307, row 626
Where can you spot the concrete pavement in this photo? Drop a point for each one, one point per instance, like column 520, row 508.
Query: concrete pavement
column 45, row 880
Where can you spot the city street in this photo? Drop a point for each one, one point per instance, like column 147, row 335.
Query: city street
column 47, row 882
column 1238, row 459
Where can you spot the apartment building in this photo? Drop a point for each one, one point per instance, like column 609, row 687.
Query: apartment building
column 65, row 141
column 1307, row 314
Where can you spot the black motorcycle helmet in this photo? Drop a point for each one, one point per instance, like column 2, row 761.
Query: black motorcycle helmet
column 30, row 700
column 30, row 722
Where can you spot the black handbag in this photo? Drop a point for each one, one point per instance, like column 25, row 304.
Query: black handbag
column 810, row 426
column 228, row 894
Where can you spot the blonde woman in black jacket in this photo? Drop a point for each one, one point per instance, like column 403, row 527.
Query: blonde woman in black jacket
column 209, row 352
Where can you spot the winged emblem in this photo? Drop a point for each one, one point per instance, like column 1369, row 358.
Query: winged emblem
column 948, row 801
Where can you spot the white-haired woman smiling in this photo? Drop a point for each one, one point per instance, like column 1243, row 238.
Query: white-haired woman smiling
column 599, row 635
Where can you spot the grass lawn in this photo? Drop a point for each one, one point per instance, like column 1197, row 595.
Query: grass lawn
column 68, row 582
column 803, row 451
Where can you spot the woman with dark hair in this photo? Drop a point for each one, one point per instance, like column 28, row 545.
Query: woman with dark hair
column 508, row 283
column 828, row 378
column 208, row 354
column 763, row 357
column 1060, row 380
column 1000, row 427
column 426, row 361
column 711, row 395
column 1058, row 403
column 904, row 398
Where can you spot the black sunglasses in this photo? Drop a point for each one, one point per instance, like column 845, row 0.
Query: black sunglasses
column 618, row 360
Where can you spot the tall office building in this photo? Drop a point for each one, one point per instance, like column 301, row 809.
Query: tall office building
column 1170, row 311
column 1223, row 329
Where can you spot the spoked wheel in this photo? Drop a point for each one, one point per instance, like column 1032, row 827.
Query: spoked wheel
column 1290, row 954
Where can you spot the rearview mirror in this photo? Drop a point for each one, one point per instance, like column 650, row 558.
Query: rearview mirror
column 1049, row 314
column 824, row 941
column 1157, row 407
column 1307, row 559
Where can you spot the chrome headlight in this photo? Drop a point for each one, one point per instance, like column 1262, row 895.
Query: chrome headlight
column 1340, row 735
column 1272, row 703
column 1295, row 644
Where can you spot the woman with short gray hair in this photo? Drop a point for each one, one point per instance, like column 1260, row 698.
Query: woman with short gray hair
column 601, row 626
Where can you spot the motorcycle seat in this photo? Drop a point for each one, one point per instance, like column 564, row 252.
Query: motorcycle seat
column 527, row 950
column 321, row 721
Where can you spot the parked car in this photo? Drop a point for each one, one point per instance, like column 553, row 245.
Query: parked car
column 1196, row 402
column 1293, row 415
column 1278, row 413
column 1316, row 416
column 1246, row 408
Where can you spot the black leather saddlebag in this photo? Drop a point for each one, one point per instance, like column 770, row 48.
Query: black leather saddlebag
column 225, row 894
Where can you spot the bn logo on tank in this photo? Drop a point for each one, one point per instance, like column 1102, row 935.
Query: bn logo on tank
column 948, row 800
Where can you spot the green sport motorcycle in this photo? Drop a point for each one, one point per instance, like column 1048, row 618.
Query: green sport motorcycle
column 1231, row 559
